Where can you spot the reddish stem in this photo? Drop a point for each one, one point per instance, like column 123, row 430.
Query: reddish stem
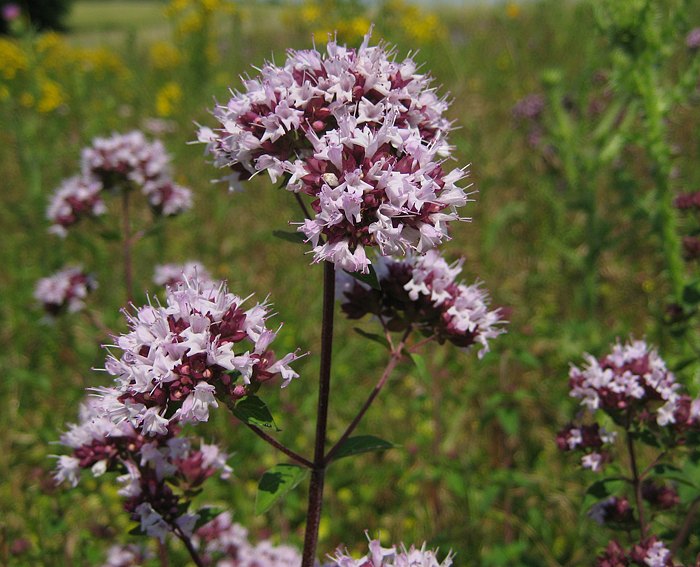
column 313, row 515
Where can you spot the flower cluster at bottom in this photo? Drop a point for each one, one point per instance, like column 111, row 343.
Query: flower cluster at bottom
column 159, row 474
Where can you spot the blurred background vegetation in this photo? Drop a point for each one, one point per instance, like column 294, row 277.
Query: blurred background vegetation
column 477, row 470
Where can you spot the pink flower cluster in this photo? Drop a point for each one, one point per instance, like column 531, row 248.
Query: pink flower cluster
column 422, row 292
column 223, row 543
column 65, row 290
column 77, row 197
column 150, row 465
column 177, row 359
column 361, row 134
column 648, row 553
column 172, row 274
column 125, row 556
column 633, row 378
column 120, row 161
column 379, row 556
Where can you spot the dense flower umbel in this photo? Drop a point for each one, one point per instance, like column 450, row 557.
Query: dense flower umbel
column 77, row 197
column 379, row 556
column 172, row 274
column 648, row 553
column 362, row 135
column 65, row 290
column 202, row 345
column 421, row 292
column 152, row 465
column 225, row 544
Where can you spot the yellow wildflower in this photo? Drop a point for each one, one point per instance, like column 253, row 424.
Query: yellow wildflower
column 168, row 99
column 175, row 7
column 512, row 10
column 190, row 23
column 164, row 55
column 51, row 96
column 310, row 13
column 4, row 93
column 12, row 59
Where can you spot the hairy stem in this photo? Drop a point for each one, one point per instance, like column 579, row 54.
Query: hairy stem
column 313, row 515
column 396, row 356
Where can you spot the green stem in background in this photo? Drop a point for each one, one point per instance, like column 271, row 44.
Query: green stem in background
column 313, row 515
column 655, row 106
column 126, row 246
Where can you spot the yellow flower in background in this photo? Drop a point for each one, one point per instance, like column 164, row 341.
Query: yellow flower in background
column 310, row 13
column 4, row 93
column 168, row 99
column 26, row 99
column 175, row 7
column 54, row 52
column 51, row 96
column 354, row 29
column 102, row 61
column 512, row 10
column 12, row 59
column 164, row 55
column 420, row 26
column 190, row 23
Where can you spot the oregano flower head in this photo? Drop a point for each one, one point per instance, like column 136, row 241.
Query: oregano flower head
column 364, row 136
column 177, row 359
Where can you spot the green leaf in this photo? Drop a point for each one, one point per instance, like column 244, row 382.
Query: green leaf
column 137, row 531
column 289, row 236
column 370, row 279
column 206, row 515
column 600, row 488
column 253, row 410
column 275, row 483
column 361, row 444
column 372, row 337
column 421, row 367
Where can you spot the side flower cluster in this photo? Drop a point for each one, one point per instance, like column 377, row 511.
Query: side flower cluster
column 121, row 161
column 159, row 473
column 394, row 556
column 64, row 291
column 202, row 345
column 421, row 292
column 361, row 134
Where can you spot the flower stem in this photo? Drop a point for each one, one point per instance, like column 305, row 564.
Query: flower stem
column 637, row 486
column 396, row 356
column 126, row 237
column 190, row 548
column 313, row 515
column 280, row 447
